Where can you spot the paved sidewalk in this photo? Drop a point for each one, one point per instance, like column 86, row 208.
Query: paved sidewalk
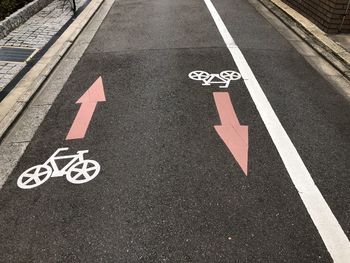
column 35, row 33
column 334, row 49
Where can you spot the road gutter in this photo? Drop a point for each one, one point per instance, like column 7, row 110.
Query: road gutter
column 310, row 33
column 16, row 101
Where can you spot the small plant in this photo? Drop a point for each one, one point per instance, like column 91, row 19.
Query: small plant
column 7, row 7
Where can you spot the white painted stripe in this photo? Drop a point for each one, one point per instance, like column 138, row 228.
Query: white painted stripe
column 333, row 236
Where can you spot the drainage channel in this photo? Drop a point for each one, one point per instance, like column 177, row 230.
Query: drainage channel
column 16, row 54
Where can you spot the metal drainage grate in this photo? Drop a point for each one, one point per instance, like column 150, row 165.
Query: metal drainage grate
column 15, row 54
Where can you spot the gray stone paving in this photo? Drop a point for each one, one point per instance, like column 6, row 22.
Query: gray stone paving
column 35, row 33
column 7, row 72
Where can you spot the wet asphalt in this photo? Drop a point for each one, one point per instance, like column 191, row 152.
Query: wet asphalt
column 169, row 190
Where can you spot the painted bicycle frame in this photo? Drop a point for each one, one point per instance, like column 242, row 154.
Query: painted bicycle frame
column 56, row 172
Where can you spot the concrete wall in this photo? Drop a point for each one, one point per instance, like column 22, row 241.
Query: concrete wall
column 331, row 16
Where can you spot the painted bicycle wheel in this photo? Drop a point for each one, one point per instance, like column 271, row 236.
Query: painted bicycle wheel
column 230, row 75
column 198, row 75
column 83, row 171
column 34, row 176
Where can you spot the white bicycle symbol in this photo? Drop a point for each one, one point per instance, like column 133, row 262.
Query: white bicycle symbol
column 77, row 170
column 224, row 77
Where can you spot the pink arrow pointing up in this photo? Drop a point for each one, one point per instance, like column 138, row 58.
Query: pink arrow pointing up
column 234, row 135
column 88, row 103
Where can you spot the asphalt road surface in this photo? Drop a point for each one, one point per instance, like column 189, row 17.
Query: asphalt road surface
column 170, row 187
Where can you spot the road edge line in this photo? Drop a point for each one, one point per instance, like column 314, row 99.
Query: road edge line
column 15, row 102
column 332, row 234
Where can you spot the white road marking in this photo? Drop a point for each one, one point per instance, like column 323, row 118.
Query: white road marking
column 332, row 234
column 71, row 170
column 225, row 77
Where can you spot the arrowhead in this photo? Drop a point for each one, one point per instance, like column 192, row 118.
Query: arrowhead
column 94, row 94
column 237, row 142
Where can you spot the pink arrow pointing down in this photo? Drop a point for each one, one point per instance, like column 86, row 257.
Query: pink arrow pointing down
column 88, row 104
column 234, row 135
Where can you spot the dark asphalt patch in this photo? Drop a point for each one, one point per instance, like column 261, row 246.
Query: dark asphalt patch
column 168, row 187
column 169, row 190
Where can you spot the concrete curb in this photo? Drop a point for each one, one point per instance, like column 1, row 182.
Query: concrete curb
column 18, row 98
column 21, row 15
column 310, row 33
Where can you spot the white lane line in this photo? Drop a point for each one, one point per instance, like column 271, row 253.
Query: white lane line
column 332, row 234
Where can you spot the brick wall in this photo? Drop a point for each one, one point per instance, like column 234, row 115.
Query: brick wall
column 329, row 15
